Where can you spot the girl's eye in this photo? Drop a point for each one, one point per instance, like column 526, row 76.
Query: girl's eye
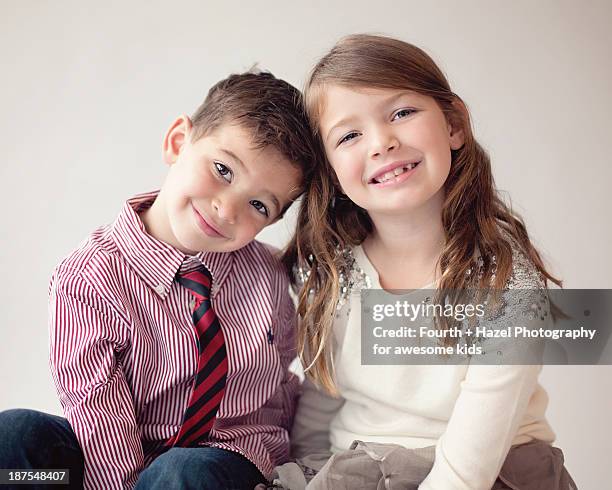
column 348, row 137
column 261, row 207
column 402, row 113
column 224, row 171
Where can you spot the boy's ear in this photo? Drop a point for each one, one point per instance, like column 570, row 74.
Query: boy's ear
column 456, row 124
column 175, row 138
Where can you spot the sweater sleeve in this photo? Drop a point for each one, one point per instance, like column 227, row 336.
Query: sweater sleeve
column 492, row 401
column 485, row 419
column 316, row 409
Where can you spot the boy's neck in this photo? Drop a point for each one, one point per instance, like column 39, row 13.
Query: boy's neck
column 156, row 223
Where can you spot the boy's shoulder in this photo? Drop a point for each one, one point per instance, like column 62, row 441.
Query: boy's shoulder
column 261, row 256
column 93, row 261
column 258, row 265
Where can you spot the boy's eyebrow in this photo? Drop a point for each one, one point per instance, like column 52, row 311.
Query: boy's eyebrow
column 232, row 155
column 275, row 201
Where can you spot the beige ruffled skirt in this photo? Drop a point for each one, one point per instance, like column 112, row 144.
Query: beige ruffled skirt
column 535, row 465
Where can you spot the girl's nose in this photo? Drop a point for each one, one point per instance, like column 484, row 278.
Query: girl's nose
column 382, row 143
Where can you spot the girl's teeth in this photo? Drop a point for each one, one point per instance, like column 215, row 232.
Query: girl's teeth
column 394, row 173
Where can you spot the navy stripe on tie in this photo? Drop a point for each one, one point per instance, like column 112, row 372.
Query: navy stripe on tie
column 203, row 421
column 201, row 309
column 219, row 385
column 207, row 395
column 197, row 287
column 207, row 335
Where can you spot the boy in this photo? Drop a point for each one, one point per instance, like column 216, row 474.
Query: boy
column 167, row 380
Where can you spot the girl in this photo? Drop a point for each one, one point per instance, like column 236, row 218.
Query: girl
column 406, row 200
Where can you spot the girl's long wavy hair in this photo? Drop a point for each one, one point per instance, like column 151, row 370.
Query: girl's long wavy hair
column 474, row 217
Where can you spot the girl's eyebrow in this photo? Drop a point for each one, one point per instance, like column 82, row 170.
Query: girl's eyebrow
column 341, row 122
column 385, row 102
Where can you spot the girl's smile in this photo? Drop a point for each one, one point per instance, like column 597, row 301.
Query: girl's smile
column 394, row 173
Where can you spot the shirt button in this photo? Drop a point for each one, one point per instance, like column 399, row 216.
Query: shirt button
column 159, row 289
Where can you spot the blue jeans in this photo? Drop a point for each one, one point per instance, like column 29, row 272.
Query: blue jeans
column 205, row 468
column 36, row 440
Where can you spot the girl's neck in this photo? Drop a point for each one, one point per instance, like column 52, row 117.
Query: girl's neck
column 405, row 248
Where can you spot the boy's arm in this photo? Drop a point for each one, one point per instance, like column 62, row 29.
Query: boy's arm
column 285, row 340
column 85, row 334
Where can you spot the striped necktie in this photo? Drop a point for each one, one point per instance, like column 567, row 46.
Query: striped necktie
column 209, row 383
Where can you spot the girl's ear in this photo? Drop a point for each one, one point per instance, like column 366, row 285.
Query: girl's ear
column 175, row 138
column 456, row 123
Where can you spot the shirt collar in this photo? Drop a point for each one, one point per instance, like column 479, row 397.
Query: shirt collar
column 155, row 261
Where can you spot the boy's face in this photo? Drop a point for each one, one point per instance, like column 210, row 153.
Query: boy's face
column 221, row 191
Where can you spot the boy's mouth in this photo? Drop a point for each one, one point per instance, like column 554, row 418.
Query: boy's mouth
column 390, row 172
column 206, row 226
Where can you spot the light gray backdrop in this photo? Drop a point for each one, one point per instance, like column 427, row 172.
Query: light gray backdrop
column 88, row 90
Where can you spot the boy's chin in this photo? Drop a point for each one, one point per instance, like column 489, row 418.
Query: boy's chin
column 223, row 246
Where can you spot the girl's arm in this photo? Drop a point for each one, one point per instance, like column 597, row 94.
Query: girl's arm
column 316, row 409
column 488, row 411
column 492, row 402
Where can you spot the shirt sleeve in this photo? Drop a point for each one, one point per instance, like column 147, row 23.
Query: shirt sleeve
column 87, row 336
column 287, row 348
column 490, row 406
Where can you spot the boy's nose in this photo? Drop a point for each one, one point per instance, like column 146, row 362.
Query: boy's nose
column 226, row 210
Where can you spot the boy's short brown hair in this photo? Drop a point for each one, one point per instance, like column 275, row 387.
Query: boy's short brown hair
column 270, row 109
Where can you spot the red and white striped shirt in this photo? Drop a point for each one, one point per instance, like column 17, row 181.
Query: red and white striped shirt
column 123, row 349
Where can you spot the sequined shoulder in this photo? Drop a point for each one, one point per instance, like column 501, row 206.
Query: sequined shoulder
column 524, row 274
column 351, row 276
column 524, row 295
column 300, row 275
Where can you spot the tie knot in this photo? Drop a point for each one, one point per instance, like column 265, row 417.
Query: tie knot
column 198, row 282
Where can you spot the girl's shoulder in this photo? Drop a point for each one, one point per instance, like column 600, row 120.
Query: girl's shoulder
column 523, row 273
column 351, row 276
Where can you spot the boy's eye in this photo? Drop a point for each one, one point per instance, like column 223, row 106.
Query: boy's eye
column 348, row 137
column 224, row 171
column 402, row 113
column 260, row 207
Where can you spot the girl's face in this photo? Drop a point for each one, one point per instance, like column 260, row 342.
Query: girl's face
column 390, row 149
